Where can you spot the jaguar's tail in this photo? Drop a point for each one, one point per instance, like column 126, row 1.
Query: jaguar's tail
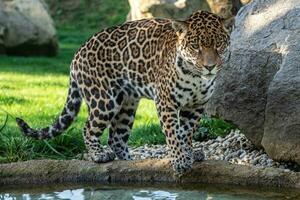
column 69, row 112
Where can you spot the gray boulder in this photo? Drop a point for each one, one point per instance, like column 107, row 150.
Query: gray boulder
column 259, row 86
column 26, row 28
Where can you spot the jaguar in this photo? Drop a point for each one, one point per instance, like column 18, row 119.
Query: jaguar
column 173, row 62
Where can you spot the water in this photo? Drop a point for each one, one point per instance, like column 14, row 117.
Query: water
column 135, row 192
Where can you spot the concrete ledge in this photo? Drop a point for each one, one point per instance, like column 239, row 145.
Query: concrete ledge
column 73, row 171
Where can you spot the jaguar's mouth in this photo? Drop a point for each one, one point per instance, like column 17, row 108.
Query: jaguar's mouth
column 209, row 76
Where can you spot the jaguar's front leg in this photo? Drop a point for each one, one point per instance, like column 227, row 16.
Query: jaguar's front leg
column 179, row 149
column 189, row 121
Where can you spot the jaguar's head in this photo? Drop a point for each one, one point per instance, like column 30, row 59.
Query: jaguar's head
column 202, row 39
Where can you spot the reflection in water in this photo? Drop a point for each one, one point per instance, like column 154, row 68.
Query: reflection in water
column 71, row 194
column 111, row 193
column 148, row 195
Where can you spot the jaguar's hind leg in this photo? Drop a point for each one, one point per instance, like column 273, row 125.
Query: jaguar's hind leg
column 92, row 131
column 120, row 129
column 102, row 112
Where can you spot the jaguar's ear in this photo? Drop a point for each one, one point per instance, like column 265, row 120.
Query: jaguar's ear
column 228, row 24
column 180, row 26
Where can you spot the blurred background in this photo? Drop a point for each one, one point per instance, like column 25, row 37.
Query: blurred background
column 38, row 39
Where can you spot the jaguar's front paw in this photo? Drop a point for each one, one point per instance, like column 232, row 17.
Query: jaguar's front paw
column 182, row 164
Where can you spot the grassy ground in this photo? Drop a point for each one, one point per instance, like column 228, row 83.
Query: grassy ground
column 34, row 88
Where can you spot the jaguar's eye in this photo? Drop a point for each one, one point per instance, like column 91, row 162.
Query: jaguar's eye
column 195, row 46
column 195, row 43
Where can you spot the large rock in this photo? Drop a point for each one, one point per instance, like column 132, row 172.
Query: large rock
column 26, row 28
column 259, row 86
column 172, row 9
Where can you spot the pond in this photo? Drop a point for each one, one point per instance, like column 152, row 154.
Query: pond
column 147, row 192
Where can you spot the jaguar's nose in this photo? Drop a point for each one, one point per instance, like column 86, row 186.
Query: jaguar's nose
column 209, row 67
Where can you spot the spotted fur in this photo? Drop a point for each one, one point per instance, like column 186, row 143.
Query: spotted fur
column 172, row 62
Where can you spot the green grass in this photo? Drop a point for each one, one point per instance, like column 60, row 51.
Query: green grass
column 211, row 128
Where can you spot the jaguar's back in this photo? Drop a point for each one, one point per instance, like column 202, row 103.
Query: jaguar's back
column 125, row 54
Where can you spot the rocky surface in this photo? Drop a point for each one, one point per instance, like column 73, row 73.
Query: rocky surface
column 142, row 171
column 258, row 88
column 26, row 28
column 234, row 148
